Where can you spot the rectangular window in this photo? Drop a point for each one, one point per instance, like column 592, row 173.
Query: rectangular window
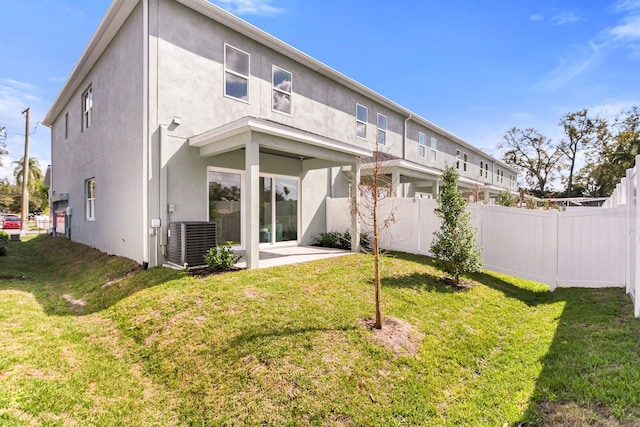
column 486, row 170
column 90, row 190
column 512, row 181
column 361, row 121
column 464, row 162
column 282, row 88
column 481, row 168
column 382, row 129
column 457, row 159
column 236, row 73
column 66, row 125
column 422, row 145
column 499, row 176
column 87, row 107
column 433, row 153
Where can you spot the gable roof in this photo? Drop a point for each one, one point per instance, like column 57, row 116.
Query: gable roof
column 120, row 10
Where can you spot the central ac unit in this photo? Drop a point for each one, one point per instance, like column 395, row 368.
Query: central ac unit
column 190, row 241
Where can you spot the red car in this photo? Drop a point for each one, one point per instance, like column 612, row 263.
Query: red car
column 12, row 222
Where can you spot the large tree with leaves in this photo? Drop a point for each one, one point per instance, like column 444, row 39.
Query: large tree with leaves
column 533, row 155
column 454, row 245
column 580, row 133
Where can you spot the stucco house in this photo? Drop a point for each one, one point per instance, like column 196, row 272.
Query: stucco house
column 179, row 111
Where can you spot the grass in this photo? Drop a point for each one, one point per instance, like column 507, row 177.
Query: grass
column 281, row 346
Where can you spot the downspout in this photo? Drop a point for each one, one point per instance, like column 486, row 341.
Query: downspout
column 162, row 191
column 404, row 147
column 404, row 137
column 145, row 134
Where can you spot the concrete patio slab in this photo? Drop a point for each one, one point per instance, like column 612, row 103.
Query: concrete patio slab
column 271, row 257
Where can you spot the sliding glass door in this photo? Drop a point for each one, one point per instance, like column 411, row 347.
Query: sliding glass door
column 279, row 209
column 225, row 192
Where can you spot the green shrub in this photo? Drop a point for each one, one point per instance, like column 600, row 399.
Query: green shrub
column 4, row 249
column 4, row 237
column 337, row 240
column 505, row 198
column 221, row 258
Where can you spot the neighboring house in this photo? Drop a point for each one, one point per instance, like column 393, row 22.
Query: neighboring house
column 179, row 111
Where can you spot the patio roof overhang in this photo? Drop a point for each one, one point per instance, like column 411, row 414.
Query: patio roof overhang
column 314, row 149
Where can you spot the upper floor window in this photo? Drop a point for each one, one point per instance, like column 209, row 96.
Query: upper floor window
column 236, row 73
column 422, row 145
column 457, row 159
column 486, row 170
column 433, row 153
column 382, row 129
column 481, row 168
column 282, row 82
column 90, row 190
column 499, row 176
column 464, row 162
column 512, row 181
column 87, row 108
column 361, row 121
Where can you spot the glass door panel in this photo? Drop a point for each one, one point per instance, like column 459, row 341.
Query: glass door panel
column 224, row 205
column 286, row 207
column 266, row 207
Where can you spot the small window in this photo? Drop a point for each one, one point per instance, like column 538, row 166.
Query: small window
column 90, row 189
column 236, row 73
column 282, row 87
column 433, row 153
column 457, row 159
column 66, row 125
column 382, row 129
column 481, row 168
column 464, row 162
column 422, row 145
column 87, row 108
column 361, row 121
column 486, row 170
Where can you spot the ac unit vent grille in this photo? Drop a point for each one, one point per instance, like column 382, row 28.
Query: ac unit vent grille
column 190, row 241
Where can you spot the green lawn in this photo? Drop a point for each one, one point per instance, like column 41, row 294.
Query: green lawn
column 85, row 339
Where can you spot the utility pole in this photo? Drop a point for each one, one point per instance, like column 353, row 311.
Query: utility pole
column 25, row 175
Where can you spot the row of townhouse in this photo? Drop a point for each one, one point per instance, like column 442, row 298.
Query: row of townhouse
column 179, row 111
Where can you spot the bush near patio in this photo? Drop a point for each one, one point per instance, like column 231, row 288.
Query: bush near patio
column 282, row 346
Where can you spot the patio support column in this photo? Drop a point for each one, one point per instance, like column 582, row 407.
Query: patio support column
column 355, row 200
column 395, row 184
column 252, row 203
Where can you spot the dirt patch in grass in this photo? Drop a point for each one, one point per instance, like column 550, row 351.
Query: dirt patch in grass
column 73, row 301
column 397, row 335
column 12, row 277
column 572, row 414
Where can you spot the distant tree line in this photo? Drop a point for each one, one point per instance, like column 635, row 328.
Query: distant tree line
column 602, row 149
column 11, row 194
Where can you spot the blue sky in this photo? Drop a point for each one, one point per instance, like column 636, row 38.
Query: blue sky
column 473, row 67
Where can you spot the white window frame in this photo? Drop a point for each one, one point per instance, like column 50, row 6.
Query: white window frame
column 273, row 177
column 87, row 108
column 422, row 145
column 237, row 74
column 458, row 155
column 382, row 131
column 358, row 121
column 433, row 151
column 481, row 168
column 275, row 68
column 90, row 197
column 486, row 170
column 465, row 161
column 242, row 209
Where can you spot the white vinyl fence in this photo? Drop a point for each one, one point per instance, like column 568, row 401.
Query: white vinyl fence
column 581, row 247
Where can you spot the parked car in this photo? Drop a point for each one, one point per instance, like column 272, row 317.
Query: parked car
column 12, row 222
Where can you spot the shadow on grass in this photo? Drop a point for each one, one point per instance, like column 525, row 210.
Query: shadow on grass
column 68, row 278
column 591, row 371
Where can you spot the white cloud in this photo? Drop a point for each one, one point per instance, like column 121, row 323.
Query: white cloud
column 565, row 18
column 626, row 5
column 628, row 29
column 249, row 7
column 569, row 68
column 15, row 97
column 536, row 17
